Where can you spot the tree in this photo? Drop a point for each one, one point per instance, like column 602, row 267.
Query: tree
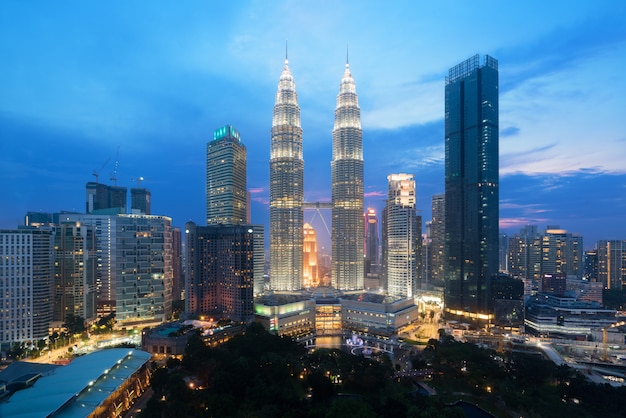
column 75, row 324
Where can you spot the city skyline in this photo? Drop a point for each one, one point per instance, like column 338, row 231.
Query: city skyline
column 79, row 82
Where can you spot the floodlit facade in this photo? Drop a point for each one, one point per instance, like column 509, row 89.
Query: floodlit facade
column 471, row 187
column 310, row 267
column 226, row 181
column 286, row 188
column 347, row 189
column 291, row 315
column 27, row 272
column 403, row 235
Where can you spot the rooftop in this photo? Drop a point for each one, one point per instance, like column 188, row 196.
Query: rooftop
column 77, row 389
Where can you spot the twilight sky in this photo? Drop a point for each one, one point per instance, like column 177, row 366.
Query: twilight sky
column 78, row 80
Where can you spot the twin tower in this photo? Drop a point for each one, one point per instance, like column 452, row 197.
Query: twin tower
column 287, row 189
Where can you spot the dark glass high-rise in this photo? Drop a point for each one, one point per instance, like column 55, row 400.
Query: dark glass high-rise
column 471, row 188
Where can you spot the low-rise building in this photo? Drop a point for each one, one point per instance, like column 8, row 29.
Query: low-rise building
column 565, row 317
column 286, row 314
column 377, row 314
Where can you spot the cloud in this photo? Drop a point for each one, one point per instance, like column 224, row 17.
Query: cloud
column 510, row 131
column 375, row 194
column 518, row 223
column 524, row 208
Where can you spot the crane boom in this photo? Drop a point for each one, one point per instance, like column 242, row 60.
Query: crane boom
column 96, row 173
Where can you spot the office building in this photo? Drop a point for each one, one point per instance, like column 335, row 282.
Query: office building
column 503, row 254
column 220, row 271
column 507, row 296
column 403, row 237
column 590, row 271
column 525, row 255
column 38, row 219
column 437, row 240
column 347, row 189
column 554, row 284
column 562, row 253
column 259, row 258
column 27, row 272
column 372, row 243
column 585, row 290
column 471, row 188
column 286, row 188
column 140, row 201
column 612, row 263
column 74, row 272
column 226, row 180
column 178, row 284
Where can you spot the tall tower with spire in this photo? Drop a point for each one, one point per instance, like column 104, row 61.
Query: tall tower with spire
column 286, row 188
column 347, row 188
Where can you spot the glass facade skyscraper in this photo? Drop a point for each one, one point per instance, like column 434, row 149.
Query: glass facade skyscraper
column 471, row 187
column 347, row 189
column 286, row 188
column 226, row 181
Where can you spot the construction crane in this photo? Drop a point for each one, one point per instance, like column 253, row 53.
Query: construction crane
column 139, row 180
column 605, row 339
column 114, row 175
column 96, row 173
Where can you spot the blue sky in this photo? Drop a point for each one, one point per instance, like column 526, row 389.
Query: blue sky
column 78, row 80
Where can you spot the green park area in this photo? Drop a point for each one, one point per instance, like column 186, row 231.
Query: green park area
column 264, row 375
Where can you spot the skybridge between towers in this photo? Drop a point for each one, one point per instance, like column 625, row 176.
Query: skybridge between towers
column 317, row 206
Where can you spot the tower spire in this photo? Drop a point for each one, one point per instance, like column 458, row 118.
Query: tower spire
column 347, row 55
column 286, row 52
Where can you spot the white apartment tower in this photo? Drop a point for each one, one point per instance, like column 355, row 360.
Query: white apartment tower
column 403, row 236
column 27, row 272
